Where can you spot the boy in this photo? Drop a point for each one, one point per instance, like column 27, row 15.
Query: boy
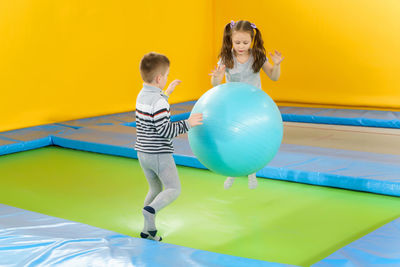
column 154, row 139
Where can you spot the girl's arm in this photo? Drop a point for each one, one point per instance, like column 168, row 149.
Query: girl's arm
column 217, row 75
column 273, row 71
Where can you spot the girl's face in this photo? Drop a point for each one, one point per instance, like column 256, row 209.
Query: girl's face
column 241, row 42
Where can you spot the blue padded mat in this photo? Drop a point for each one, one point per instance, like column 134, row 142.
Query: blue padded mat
column 180, row 111
column 113, row 119
column 116, row 140
column 33, row 133
column 379, row 248
column 33, row 239
column 18, row 146
column 370, row 118
column 29, row 138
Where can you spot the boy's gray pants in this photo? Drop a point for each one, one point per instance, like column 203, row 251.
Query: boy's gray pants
column 160, row 170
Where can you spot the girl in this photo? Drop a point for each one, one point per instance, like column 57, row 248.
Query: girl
column 242, row 57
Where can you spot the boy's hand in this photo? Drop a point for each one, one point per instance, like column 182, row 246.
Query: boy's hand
column 195, row 119
column 172, row 86
column 218, row 71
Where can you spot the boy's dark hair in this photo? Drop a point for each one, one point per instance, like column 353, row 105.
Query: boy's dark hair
column 258, row 50
column 153, row 64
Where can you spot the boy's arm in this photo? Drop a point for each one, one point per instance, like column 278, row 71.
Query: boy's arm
column 163, row 123
column 171, row 87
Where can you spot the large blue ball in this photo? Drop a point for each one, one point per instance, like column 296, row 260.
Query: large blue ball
column 241, row 132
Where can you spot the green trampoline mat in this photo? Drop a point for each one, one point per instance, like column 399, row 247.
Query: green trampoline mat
column 279, row 221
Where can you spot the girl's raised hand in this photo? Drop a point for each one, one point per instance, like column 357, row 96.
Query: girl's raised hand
column 218, row 71
column 172, row 86
column 276, row 57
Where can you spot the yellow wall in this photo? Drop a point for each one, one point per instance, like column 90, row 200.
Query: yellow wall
column 341, row 52
column 62, row 60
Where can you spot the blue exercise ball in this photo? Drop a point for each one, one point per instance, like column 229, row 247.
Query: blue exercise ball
column 241, row 132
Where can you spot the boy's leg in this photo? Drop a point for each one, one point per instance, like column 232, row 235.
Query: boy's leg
column 148, row 164
column 164, row 167
column 168, row 175
column 155, row 186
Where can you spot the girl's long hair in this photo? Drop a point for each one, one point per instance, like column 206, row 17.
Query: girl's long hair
column 258, row 50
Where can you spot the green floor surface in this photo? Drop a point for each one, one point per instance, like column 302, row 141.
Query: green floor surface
column 279, row 221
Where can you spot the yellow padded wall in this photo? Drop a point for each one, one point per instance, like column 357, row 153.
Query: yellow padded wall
column 61, row 60
column 337, row 52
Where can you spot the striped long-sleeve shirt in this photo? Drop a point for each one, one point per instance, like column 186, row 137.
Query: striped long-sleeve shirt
column 154, row 127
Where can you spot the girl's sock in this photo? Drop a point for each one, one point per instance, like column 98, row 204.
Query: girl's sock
column 252, row 181
column 229, row 182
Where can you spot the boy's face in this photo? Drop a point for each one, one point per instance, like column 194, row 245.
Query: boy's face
column 162, row 81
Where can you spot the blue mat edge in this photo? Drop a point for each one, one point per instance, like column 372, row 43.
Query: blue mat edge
column 20, row 146
column 342, row 121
